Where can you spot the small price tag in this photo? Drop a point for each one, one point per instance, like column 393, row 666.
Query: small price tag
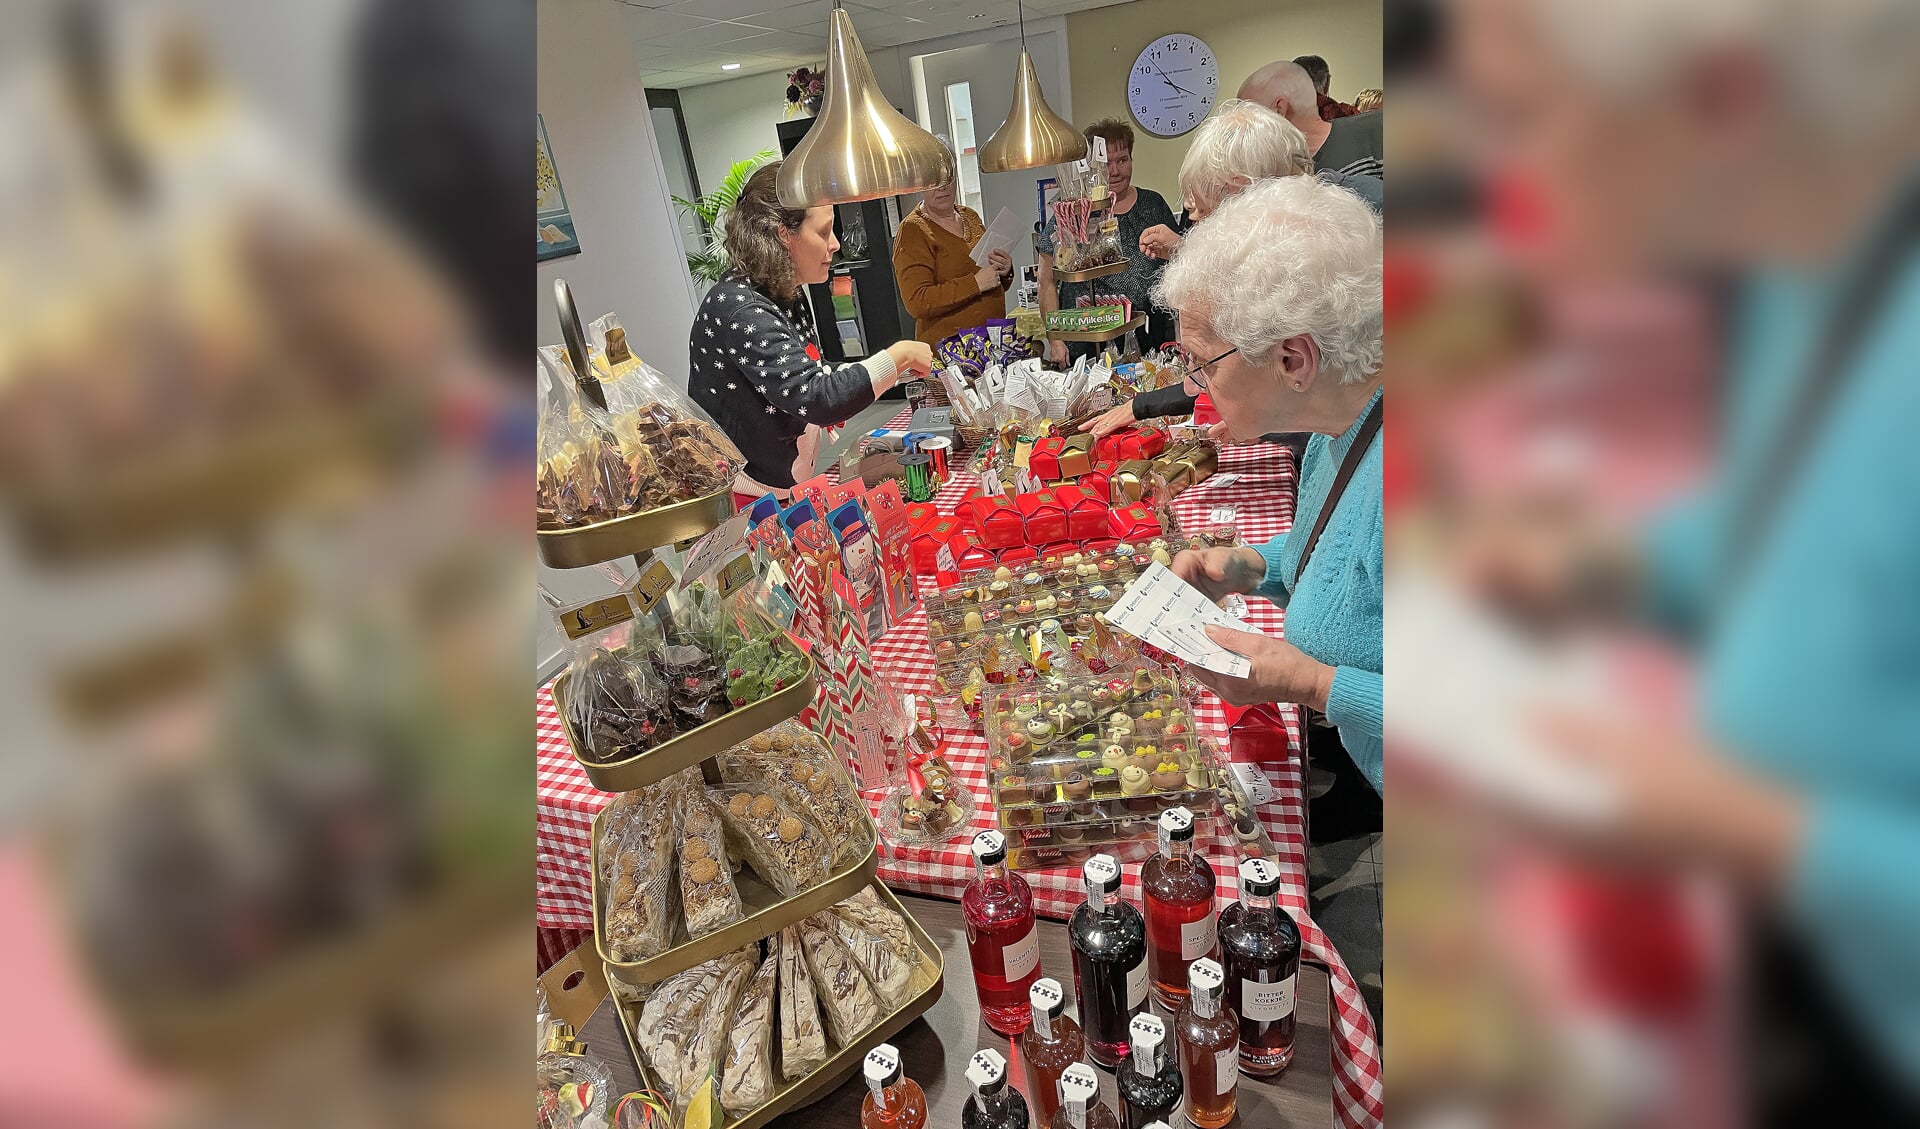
column 652, row 585
column 1253, row 780
column 596, row 616
column 736, row 574
column 714, row 547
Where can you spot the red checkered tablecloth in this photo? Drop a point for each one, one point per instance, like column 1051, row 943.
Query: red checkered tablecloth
column 1263, row 494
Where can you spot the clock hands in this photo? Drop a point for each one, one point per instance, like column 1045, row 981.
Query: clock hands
column 1168, row 81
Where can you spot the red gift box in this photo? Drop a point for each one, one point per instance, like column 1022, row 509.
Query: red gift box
column 970, row 552
column 1021, row 555
column 1135, row 523
column 919, row 514
column 1141, row 442
column 1098, row 484
column 998, row 522
column 1045, row 517
column 1106, row 451
column 1044, row 462
column 927, row 542
column 1086, row 513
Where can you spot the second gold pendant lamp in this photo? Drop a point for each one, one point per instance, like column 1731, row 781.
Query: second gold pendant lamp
column 860, row 147
column 1033, row 135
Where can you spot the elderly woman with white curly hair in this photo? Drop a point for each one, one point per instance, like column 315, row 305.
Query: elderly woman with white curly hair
column 1239, row 143
column 1279, row 294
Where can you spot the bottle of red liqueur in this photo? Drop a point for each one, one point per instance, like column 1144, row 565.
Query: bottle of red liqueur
column 1177, row 888
column 1001, row 940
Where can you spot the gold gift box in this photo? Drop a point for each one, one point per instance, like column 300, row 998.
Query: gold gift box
column 1188, row 465
column 1076, row 458
column 1131, row 480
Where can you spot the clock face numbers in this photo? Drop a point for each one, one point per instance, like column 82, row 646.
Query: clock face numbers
column 1173, row 85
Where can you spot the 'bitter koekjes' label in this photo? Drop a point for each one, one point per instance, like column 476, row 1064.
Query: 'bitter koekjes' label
column 1265, row 1003
column 1137, row 985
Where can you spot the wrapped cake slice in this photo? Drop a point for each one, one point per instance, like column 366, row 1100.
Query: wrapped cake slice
column 847, row 1000
column 746, row 1075
column 803, row 1040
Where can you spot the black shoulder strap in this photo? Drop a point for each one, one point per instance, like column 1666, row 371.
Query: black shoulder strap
column 1857, row 303
column 1348, row 466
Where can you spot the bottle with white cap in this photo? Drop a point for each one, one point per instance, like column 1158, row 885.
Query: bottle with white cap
column 1080, row 1104
column 1176, row 890
column 1208, row 1034
column 1051, row 1044
column 1260, row 951
column 1109, row 942
column 1149, row 1081
column 893, row 1100
column 994, row 1105
column 1002, row 942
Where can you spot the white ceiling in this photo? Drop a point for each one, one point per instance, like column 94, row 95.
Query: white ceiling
column 684, row 42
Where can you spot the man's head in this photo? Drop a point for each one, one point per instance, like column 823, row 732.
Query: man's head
column 1285, row 89
column 1317, row 70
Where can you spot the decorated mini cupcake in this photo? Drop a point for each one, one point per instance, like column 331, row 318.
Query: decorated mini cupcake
column 1039, row 731
column 1076, row 786
column 1065, row 602
column 1081, row 710
column 1142, row 680
column 1106, row 781
column 1109, row 566
column 1025, row 712
column 1114, row 756
column 1149, row 723
column 1070, row 833
column 974, row 623
column 1099, row 594
column 1041, row 792
column 1161, row 556
column 1045, row 604
column 945, row 651
column 1167, row 777
column 1016, row 744
column 1196, row 773
column 1146, row 756
column 1134, row 781
column 1062, row 717
column 1102, row 698
column 1032, row 580
column 1119, row 725
column 1086, row 759
column 1024, row 607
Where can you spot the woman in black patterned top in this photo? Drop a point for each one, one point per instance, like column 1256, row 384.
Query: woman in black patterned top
column 756, row 366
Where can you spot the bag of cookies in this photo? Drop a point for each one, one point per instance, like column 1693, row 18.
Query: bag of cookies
column 746, row 1075
column 803, row 1040
column 788, row 853
column 636, row 853
column 707, row 893
column 847, row 1000
column 580, row 477
column 793, row 763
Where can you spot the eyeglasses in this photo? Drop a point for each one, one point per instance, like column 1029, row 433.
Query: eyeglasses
column 1197, row 371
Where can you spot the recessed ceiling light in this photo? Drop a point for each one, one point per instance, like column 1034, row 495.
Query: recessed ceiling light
column 978, row 16
column 729, row 66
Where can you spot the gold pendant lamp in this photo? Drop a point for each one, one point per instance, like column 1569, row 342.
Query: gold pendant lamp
column 860, row 147
column 1033, row 135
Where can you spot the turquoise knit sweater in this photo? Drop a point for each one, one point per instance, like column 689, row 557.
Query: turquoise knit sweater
column 1334, row 615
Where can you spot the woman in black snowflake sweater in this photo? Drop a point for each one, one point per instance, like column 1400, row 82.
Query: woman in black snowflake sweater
column 756, row 367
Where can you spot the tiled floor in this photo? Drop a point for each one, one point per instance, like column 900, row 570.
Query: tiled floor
column 1343, row 889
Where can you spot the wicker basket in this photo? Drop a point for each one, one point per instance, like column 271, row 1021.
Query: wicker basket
column 969, row 437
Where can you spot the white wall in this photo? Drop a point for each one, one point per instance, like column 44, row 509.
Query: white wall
column 603, row 146
column 732, row 120
column 631, row 261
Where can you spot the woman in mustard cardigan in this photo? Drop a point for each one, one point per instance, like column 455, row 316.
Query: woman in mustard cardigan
column 940, row 284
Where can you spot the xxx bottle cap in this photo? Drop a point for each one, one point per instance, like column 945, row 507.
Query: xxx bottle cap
column 1101, row 875
column 882, row 1067
column 989, row 848
column 987, row 1071
column 1259, row 878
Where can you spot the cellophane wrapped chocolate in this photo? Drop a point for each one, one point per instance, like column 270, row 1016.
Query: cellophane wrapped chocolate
column 616, row 701
column 691, row 658
column 649, row 448
column 746, row 1075
column 708, row 897
column 794, row 764
column 638, row 834
column 787, row 852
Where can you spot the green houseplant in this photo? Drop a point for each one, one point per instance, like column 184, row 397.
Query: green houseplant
column 708, row 263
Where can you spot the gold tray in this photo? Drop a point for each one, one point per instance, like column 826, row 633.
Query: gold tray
column 635, row 533
column 691, row 747
column 773, row 913
column 928, row 981
column 1089, row 273
column 1095, row 336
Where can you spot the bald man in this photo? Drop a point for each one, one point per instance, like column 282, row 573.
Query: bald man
column 1351, row 145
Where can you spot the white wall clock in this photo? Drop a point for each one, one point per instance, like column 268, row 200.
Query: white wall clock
column 1173, row 85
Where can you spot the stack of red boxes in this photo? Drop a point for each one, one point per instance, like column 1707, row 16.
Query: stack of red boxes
column 998, row 529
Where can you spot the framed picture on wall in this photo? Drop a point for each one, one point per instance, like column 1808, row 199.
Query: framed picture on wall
column 553, row 224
